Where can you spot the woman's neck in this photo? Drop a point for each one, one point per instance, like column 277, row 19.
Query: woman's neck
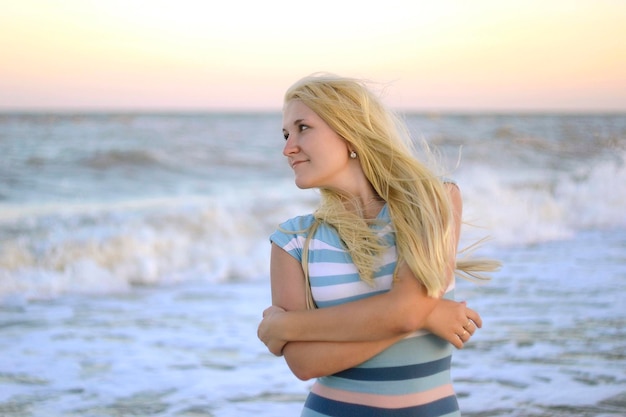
column 366, row 204
column 366, row 207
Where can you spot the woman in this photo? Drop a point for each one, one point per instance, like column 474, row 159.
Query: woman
column 380, row 257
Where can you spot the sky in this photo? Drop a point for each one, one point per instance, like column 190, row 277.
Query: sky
column 444, row 55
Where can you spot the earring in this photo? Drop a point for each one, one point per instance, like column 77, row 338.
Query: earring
column 352, row 155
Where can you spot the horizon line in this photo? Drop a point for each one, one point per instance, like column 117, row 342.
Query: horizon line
column 243, row 110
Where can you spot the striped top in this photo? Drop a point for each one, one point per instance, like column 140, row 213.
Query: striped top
column 410, row 378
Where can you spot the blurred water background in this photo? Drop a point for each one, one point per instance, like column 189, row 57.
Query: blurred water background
column 134, row 261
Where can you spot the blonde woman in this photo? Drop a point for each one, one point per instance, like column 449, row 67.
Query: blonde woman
column 379, row 262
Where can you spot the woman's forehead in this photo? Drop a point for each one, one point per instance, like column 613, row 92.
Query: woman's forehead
column 296, row 110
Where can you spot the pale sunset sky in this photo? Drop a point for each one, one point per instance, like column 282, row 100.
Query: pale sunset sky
column 439, row 55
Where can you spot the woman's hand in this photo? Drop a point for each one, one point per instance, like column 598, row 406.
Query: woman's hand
column 453, row 321
column 264, row 332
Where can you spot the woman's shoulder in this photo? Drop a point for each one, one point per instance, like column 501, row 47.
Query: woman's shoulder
column 298, row 224
column 291, row 234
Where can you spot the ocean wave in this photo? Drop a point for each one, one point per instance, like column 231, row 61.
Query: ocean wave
column 110, row 247
column 96, row 249
column 546, row 205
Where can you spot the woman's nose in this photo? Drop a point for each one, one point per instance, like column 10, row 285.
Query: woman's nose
column 291, row 146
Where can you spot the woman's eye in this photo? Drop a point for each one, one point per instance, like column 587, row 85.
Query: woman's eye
column 300, row 129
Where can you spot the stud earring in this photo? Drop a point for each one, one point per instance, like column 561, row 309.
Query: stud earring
column 352, row 155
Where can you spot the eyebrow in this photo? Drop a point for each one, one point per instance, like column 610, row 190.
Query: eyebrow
column 295, row 123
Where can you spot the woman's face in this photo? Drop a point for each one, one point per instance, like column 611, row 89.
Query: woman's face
column 318, row 156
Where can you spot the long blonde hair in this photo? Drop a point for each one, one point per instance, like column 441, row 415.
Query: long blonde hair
column 418, row 202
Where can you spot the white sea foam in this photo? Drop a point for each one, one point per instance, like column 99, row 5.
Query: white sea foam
column 132, row 283
column 555, row 206
column 551, row 344
column 108, row 247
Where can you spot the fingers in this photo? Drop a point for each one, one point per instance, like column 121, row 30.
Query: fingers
column 468, row 329
column 276, row 348
column 274, row 345
column 457, row 343
column 465, row 333
column 470, row 322
column 461, row 338
column 474, row 316
column 272, row 310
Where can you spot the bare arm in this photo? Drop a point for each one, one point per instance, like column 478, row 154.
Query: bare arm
column 328, row 340
column 310, row 359
column 449, row 315
column 405, row 308
column 401, row 310
column 314, row 358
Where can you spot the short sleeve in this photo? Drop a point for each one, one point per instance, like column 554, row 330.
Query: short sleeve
column 290, row 235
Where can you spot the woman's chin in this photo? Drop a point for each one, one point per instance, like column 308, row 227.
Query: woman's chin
column 303, row 185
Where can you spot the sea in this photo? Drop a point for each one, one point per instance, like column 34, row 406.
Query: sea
column 134, row 262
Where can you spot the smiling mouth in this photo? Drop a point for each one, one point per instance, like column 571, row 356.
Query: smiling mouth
column 294, row 163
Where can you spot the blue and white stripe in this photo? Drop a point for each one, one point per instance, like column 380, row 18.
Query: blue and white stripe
column 410, row 378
